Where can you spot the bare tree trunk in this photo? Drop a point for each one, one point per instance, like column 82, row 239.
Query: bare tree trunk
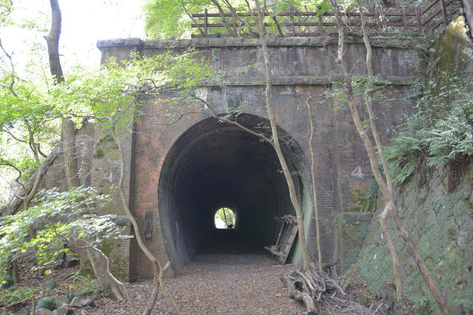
column 314, row 183
column 68, row 130
column 222, row 16
column 107, row 281
column 16, row 203
column 34, row 147
column 276, row 145
column 68, row 127
column 53, row 42
column 389, row 184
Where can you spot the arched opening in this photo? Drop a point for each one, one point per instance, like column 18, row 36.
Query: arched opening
column 214, row 165
column 225, row 219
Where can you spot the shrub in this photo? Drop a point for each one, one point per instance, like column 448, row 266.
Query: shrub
column 48, row 302
column 51, row 284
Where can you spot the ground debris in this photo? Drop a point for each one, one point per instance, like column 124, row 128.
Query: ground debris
column 320, row 293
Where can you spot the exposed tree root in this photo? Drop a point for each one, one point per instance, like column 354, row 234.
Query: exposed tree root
column 315, row 289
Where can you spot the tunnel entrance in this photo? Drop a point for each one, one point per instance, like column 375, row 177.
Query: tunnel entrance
column 215, row 165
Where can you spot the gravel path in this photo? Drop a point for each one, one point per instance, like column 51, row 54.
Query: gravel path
column 216, row 284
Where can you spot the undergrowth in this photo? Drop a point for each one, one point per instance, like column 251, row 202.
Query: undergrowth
column 442, row 130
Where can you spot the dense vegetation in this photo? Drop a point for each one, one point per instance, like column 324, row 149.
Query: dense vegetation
column 441, row 133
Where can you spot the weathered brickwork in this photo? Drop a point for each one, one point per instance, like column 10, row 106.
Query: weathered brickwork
column 302, row 68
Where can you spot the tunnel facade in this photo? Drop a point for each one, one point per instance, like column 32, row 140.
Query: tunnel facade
column 178, row 173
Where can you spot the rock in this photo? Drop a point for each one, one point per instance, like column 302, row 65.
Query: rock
column 63, row 310
column 89, row 300
column 75, row 302
column 43, row 311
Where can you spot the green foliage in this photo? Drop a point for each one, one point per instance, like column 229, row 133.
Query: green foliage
column 370, row 198
column 405, row 150
column 167, row 18
column 442, row 130
column 62, row 217
column 6, row 7
column 88, row 287
column 13, row 295
column 83, row 285
column 48, row 303
column 8, row 282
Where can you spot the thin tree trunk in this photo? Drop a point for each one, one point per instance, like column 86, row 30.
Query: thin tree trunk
column 16, row 203
column 68, row 130
column 276, row 145
column 53, row 42
column 37, row 180
column 273, row 142
column 222, row 16
column 314, row 183
column 68, row 127
column 99, row 261
column 389, row 185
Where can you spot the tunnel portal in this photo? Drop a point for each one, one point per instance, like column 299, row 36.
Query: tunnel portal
column 214, row 165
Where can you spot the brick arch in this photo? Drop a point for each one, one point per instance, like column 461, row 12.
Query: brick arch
column 213, row 165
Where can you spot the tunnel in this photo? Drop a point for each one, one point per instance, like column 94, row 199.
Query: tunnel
column 214, row 165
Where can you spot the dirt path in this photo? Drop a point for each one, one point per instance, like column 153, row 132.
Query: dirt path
column 214, row 283
column 217, row 284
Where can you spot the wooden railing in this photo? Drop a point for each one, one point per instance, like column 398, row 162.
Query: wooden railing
column 305, row 24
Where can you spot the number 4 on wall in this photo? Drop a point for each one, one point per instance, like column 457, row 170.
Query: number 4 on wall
column 356, row 173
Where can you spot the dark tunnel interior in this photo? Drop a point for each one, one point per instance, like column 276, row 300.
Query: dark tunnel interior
column 215, row 165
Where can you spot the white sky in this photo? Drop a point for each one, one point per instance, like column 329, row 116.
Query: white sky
column 83, row 23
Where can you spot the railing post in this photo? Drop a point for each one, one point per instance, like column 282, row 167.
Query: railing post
column 404, row 18
column 419, row 20
column 376, row 18
column 293, row 27
column 205, row 22
column 444, row 11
